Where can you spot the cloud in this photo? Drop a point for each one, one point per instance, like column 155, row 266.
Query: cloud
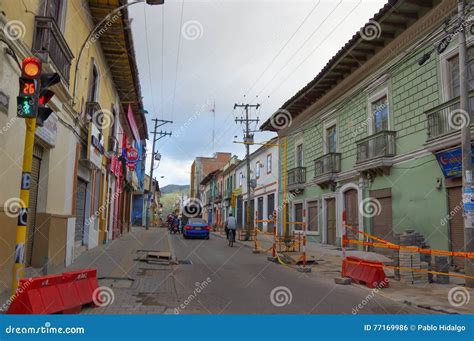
column 175, row 171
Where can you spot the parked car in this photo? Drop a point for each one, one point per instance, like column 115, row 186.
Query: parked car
column 196, row 227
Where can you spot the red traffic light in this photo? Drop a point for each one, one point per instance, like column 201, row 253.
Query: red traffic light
column 31, row 67
column 45, row 97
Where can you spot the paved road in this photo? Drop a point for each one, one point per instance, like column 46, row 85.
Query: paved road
column 242, row 282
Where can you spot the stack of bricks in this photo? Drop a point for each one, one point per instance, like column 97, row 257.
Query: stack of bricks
column 407, row 259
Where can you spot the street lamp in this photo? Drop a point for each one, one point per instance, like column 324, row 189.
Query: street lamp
column 91, row 33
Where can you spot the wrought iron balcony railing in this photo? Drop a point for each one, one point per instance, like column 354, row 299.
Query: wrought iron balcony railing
column 381, row 144
column 49, row 44
column 446, row 118
column 327, row 164
column 296, row 176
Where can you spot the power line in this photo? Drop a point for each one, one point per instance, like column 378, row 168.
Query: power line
column 301, row 46
column 177, row 58
column 162, row 58
column 148, row 61
column 282, row 48
column 311, row 53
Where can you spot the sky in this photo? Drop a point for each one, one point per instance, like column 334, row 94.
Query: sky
column 197, row 55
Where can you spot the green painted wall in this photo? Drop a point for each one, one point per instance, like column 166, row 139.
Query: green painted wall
column 416, row 203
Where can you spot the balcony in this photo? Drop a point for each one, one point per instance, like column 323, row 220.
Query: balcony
column 296, row 178
column 326, row 168
column 49, row 44
column 375, row 153
column 444, row 124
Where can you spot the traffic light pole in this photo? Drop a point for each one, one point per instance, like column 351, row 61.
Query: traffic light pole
column 22, row 224
column 151, row 194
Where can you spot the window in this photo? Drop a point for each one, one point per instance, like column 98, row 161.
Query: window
column 269, row 163
column 331, row 139
column 94, row 85
column 298, row 216
column 379, row 114
column 54, row 10
column 241, row 176
column 453, row 74
column 313, row 216
column 257, row 170
column 299, row 155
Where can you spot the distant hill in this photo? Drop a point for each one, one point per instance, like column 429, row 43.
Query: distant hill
column 174, row 189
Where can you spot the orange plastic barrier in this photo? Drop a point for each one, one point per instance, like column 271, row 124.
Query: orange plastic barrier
column 366, row 272
column 63, row 293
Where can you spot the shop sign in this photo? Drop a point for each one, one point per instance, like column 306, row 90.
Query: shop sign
column 450, row 162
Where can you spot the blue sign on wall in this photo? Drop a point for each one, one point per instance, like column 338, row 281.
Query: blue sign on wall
column 450, row 162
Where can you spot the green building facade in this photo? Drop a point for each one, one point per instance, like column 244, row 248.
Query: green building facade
column 364, row 135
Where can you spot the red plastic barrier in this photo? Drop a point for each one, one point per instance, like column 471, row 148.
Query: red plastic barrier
column 62, row 293
column 370, row 273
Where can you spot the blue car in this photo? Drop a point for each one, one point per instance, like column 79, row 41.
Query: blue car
column 196, row 227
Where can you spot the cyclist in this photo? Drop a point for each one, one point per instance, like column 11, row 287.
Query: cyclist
column 230, row 224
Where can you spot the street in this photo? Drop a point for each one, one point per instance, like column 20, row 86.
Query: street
column 242, row 283
column 213, row 278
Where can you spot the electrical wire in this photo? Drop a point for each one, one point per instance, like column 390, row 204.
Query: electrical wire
column 177, row 58
column 282, row 48
column 301, row 46
column 162, row 58
column 148, row 61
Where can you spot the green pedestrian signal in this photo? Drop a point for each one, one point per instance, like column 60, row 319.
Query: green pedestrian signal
column 25, row 107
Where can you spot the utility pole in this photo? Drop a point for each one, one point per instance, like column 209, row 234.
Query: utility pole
column 161, row 134
column 466, row 149
column 248, row 140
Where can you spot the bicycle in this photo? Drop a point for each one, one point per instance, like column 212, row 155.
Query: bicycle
column 231, row 237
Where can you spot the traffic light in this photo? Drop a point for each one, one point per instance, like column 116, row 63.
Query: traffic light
column 27, row 101
column 46, row 80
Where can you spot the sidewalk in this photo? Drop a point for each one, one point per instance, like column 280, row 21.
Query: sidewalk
column 432, row 296
column 129, row 284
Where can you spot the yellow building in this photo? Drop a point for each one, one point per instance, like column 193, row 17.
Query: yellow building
column 80, row 191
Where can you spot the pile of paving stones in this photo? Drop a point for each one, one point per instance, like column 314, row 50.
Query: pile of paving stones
column 408, row 260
